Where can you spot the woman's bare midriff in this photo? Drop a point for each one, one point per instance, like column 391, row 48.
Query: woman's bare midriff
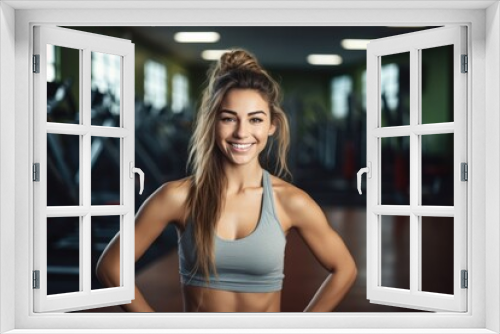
column 198, row 299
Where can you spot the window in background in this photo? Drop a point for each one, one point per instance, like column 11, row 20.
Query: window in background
column 341, row 89
column 106, row 70
column 52, row 65
column 155, row 84
column 180, row 93
column 363, row 90
column 390, row 85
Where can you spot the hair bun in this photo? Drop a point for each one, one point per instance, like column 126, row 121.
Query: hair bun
column 238, row 59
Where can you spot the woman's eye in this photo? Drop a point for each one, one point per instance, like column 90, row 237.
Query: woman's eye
column 227, row 119
column 255, row 120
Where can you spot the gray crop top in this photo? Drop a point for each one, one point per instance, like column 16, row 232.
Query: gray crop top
column 251, row 264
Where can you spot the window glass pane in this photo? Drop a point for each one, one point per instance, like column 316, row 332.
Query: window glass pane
column 395, row 170
column 63, row 255
column 103, row 229
column 180, row 93
column 395, row 89
column 63, row 84
column 51, row 63
column 437, row 169
column 106, row 89
column 437, row 254
column 437, row 84
column 63, row 166
column 155, row 85
column 363, row 90
column 395, row 259
column 105, row 175
column 341, row 90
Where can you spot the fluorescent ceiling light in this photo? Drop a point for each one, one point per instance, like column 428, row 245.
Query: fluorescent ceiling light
column 212, row 54
column 324, row 59
column 354, row 44
column 197, row 37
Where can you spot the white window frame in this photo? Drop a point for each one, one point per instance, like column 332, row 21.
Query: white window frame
column 16, row 21
column 413, row 44
column 86, row 44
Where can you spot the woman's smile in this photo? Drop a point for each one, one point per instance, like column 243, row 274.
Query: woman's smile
column 241, row 147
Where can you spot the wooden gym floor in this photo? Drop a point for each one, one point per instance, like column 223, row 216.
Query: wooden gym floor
column 160, row 285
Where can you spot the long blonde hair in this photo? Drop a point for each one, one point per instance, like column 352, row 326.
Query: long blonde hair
column 235, row 69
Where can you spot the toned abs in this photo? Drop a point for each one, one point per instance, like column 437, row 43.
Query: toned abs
column 197, row 299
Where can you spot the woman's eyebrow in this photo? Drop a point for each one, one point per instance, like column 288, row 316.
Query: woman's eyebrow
column 249, row 114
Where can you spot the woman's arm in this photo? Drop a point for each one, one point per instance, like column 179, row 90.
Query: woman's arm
column 165, row 205
column 326, row 245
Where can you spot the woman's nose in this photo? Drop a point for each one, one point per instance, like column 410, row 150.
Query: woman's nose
column 241, row 130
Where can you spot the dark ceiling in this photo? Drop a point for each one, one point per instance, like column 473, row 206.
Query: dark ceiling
column 275, row 47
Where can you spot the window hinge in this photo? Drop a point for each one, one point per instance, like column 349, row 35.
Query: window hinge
column 464, row 172
column 36, row 172
column 36, row 63
column 36, row 279
column 465, row 64
column 465, row 279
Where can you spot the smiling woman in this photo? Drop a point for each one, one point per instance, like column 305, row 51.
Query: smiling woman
column 231, row 214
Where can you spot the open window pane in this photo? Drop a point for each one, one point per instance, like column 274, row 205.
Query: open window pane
column 395, row 243
column 63, row 255
column 106, row 89
column 395, row 89
column 105, row 166
column 437, row 84
column 437, row 170
column 395, row 170
column 437, row 254
column 73, row 168
column 63, row 91
column 63, row 170
column 104, row 228
column 436, row 152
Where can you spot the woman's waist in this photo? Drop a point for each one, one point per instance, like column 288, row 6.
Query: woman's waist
column 203, row 299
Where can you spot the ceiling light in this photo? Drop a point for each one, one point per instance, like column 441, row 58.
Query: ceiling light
column 324, row 59
column 354, row 44
column 196, row 37
column 212, row 54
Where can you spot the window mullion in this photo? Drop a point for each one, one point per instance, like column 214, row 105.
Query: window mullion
column 85, row 181
column 85, row 254
column 127, row 156
column 415, row 245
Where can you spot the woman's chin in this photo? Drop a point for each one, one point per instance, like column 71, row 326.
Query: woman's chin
column 241, row 160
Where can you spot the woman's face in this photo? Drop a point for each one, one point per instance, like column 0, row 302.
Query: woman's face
column 243, row 125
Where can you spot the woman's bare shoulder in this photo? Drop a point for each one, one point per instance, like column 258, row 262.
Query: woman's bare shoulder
column 296, row 208
column 290, row 198
column 175, row 192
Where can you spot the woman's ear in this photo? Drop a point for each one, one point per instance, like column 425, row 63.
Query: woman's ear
column 272, row 129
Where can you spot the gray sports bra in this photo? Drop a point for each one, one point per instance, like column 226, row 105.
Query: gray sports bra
column 251, row 264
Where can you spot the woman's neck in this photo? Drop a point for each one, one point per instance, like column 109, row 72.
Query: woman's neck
column 243, row 176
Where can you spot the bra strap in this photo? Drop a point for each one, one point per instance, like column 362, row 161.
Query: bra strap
column 269, row 193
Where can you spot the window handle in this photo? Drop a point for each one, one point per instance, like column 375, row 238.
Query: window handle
column 368, row 171
column 141, row 175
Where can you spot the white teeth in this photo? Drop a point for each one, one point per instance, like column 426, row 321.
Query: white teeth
column 241, row 146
